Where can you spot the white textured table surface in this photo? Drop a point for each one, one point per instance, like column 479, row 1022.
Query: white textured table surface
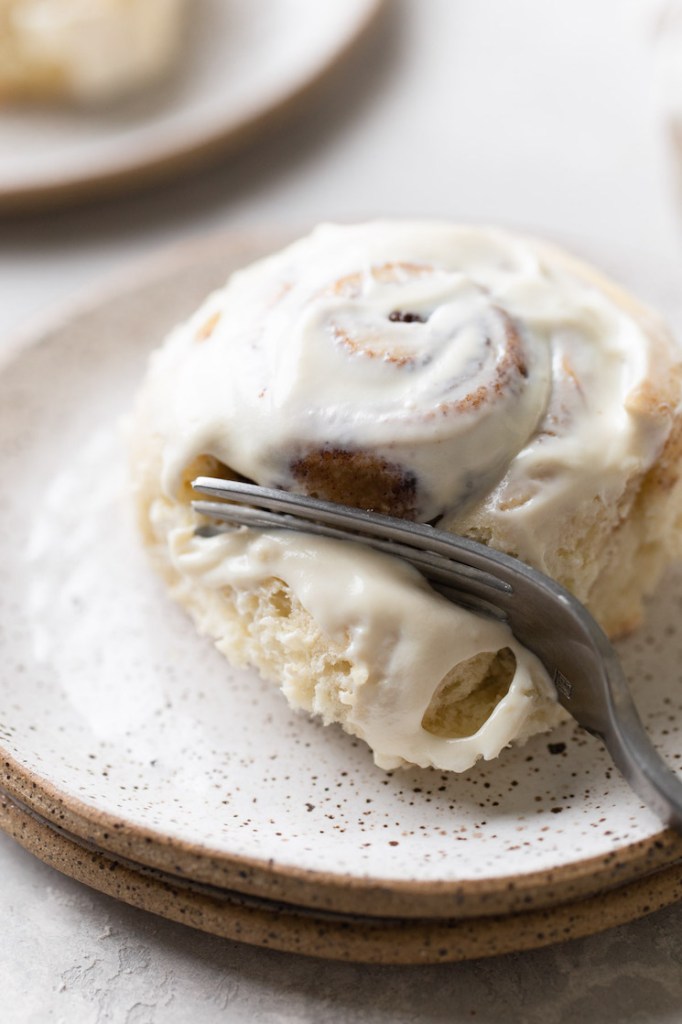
column 536, row 114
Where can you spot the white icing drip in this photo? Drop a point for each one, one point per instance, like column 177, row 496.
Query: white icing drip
column 406, row 635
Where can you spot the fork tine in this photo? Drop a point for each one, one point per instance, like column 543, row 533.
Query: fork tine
column 434, row 567
column 467, row 599
column 458, row 551
column 453, row 580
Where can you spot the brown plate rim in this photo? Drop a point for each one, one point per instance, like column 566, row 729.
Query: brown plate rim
column 349, row 939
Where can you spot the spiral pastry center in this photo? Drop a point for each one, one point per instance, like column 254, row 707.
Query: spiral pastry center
column 406, row 389
column 400, row 369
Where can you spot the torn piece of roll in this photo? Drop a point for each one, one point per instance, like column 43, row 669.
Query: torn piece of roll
column 469, row 376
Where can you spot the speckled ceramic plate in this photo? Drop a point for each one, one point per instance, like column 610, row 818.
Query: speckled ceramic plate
column 334, row 936
column 120, row 724
column 245, row 61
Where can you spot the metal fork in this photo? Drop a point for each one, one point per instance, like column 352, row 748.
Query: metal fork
column 543, row 616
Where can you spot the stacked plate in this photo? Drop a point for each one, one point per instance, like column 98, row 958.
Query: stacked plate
column 137, row 761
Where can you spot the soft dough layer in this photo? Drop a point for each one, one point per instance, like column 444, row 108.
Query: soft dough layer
column 365, row 643
column 427, row 370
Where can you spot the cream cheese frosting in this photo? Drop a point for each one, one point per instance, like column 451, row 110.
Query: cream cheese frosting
column 87, row 49
column 508, row 383
column 400, row 636
column 523, row 385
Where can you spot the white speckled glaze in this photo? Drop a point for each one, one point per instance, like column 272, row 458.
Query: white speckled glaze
column 114, row 714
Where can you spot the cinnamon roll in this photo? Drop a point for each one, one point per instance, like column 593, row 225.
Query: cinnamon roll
column 465, row 376
column 85, row 50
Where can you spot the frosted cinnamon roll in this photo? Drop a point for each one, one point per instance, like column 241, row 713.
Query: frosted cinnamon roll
column 465, row 376
column 85, row 50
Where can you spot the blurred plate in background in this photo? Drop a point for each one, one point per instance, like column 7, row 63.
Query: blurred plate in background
column 246, row 63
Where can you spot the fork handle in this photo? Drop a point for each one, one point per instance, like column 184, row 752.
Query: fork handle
column 609, row 713
column 635, row 756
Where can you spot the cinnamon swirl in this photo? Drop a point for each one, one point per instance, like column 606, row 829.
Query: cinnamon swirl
column 462, row 375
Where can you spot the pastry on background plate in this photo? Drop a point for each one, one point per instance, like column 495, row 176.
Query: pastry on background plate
column 465, row 376
column 85, row 50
